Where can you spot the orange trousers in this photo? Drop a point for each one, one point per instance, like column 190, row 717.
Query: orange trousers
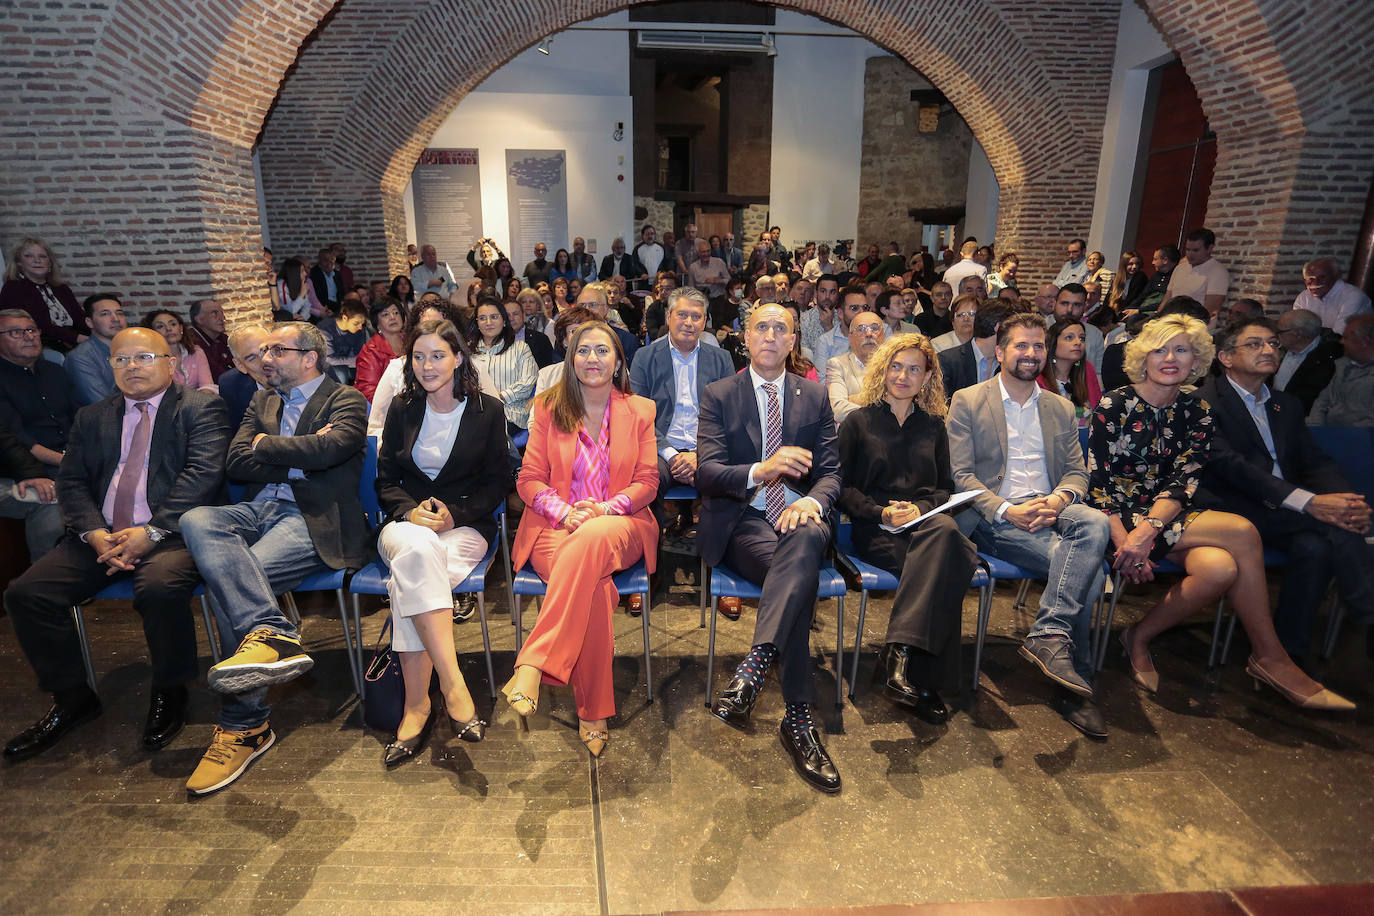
column 573, row 641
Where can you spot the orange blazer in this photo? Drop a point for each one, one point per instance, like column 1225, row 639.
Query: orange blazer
column 549, row 457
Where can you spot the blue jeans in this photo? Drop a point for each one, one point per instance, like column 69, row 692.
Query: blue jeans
column 248, row 554
column 1069, row 556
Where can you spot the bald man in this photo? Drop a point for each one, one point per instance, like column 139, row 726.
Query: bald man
column 135, row 462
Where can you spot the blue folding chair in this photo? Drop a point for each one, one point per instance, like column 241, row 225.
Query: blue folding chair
column 875, row 579
column 682, row 491
column 634, row 580
column 373, row 579
column 123, row 590
column 726, row 583
column 1352, row 448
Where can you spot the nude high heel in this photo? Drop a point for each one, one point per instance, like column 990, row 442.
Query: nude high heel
column 523, row 705
column 1323, row 699
column 1149, row 680
column 594, row 738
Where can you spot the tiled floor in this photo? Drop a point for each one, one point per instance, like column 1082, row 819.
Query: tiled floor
column 1204, row 787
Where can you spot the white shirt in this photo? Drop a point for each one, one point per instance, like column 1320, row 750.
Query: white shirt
column 761, row 400
column 1072, row 272
column 1299, row 498
column 393, row 380
column 1026, row 475
column 814, row 269
column 435, row 442
column 420, row 275
column 961, row 269
column 1291, row 361
column 651, row 256
column 1207, row 279
column 1340, row 303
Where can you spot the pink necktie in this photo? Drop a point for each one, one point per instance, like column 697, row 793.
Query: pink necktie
column 133, row 470
column 774, row 496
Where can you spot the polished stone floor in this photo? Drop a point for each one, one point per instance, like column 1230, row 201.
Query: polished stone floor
column 1210, row 785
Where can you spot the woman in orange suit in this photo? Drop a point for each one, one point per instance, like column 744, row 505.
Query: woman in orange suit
column 589, row 475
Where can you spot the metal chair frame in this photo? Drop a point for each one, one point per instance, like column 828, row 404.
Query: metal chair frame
column 123, row 590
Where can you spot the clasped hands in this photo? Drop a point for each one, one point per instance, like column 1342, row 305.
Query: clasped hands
column 432, row 514
column 1348, row 511
column 583, row 510
column 120, row 550
column 898, row 512
column 1133, row 552
column 794, row 463
column 1035, row 514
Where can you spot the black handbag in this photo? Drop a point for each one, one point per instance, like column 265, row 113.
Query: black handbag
column 384, row 696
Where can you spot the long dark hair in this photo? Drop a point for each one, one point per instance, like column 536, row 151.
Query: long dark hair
column 409, row 297
column 507, row 336
column 465, row 383
column 565, row 263
column 564, row 399
column 188, row 340
column 1078, row 374
column 291, row 276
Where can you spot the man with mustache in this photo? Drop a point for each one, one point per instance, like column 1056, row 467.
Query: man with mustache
column 1019, row 444
column 1266, row 466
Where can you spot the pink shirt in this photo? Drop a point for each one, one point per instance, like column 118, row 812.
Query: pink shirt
column 126, row 437
column 591, row 477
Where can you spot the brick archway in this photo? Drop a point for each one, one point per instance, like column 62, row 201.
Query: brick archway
column 129, row 128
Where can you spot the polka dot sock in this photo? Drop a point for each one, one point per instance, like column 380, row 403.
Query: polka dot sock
column 798, row 720
column 757, row 663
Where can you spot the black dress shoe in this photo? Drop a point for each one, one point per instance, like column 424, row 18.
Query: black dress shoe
column 47, row 731
column 398, row 752
column 736, row 703
column 1082, row 714
column 930, row 708
column 166, row 716
column 810, row 759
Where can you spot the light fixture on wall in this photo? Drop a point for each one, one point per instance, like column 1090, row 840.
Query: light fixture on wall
column 543, row 46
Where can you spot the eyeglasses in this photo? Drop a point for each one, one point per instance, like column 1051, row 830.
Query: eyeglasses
column 965, row 314
column 867, row 328
column 21, row 332
column 1254, row 346
column 142, row 360
column 277, row 350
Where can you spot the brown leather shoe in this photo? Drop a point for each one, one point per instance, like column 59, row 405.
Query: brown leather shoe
column 635, row 606
column 728, row 607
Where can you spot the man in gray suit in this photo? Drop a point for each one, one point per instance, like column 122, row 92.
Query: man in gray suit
column 1019, row 444
column 135, row 462
column 673, row 372
column 844, row 374
column 300, row 449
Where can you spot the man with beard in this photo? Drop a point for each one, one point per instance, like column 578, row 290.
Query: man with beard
column 844, row 374
column 1018, row 444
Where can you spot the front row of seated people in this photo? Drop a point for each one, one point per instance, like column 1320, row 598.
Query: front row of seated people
column 146, row 467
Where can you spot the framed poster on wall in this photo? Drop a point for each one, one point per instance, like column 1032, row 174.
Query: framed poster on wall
column 448, row 205
column 537, row 194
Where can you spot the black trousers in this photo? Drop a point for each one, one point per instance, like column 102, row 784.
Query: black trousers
column 1317, row 553
column 40, row 600
column 785, row 566
column 664, row 512
column 934, row 564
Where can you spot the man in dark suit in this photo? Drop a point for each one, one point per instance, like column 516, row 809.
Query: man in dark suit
column 1309, row 359
column 135, row 462
column 328, row 283
column 620, row 263
column 975, row 360
column 769, row 475
column 673, row 372
column 238, row 385
column 300, row 450
column 27, row 491
column 541, row 348
column 1265, row 466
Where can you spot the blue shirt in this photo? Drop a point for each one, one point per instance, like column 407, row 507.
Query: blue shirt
column 681, row 434
column 293, row 403
column 89, row 366
column 1299, row 498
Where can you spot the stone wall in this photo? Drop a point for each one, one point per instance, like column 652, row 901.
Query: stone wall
column 900, row 167
column 660, row 216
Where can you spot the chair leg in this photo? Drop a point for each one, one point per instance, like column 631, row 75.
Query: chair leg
column 288, row 606
column 984, row 613
column 1333, row 627
column 353, row 640
column 85, row 646
column 858, row 643
column 839, row 652
column 510, row 570
column 486, row 643
column 710, row 658
column 1106, row 628
column 1215, row 649
column 648, row 654
column 705, row 593
column 520, row 624
column 211, row 632
column 1021, row 596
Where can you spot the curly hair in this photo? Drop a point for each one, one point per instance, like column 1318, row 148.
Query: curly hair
column 1157, row 333
column 931, row 397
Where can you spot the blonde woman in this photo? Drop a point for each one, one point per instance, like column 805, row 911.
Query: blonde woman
column 894, row 456
column 1149, row 443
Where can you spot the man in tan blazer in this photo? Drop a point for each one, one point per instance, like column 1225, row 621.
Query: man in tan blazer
column 1019, row 444
column 844, row 374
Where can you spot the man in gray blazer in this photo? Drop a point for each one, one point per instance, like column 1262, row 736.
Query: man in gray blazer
column 673, row 372
column 1019, row 445
column 135, row 462
column 300, row 449
column 844, row 374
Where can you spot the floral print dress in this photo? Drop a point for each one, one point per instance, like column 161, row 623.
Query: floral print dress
column 1139, row 453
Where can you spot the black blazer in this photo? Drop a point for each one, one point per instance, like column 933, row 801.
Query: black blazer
column 333, row 466
column 185, row 458
column 959, row 366
column 1239, row 473
column 1314, row 373
column 541, row 348
column 627, row 266
column 237, row 390
column 322, row 288
column 730, row 441
column 473, row 481
column 16, row 461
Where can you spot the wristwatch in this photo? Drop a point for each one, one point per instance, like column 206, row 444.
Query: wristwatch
column 154, row 534
column 1155, row 523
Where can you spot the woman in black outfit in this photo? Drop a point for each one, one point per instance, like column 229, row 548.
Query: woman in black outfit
column 894, row 454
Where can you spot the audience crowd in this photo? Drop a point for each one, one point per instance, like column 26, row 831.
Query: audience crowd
column 1142, row 417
